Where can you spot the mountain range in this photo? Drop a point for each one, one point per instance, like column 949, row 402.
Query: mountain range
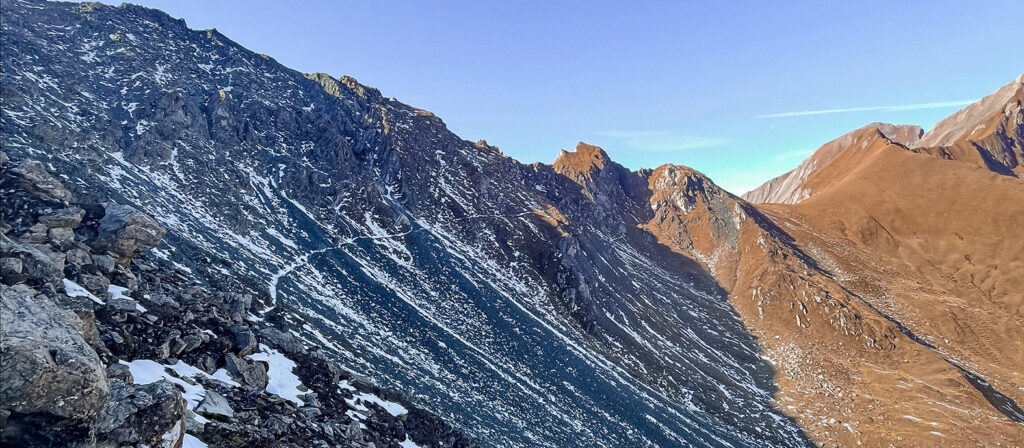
column 204, row 247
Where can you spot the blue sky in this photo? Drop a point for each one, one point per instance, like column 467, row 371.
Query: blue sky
column 739, row 90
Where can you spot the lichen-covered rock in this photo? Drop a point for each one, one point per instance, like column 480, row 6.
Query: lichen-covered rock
column 31, row 176
column 49, row 372
column 151, row 414
column 37, row 267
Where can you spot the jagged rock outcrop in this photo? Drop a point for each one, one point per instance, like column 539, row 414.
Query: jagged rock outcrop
column 32, row 178
column 149, row 414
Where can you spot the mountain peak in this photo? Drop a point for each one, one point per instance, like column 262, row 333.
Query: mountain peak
column 584, row 158
column 789, row 188
column 333, row 85
column 965, row 122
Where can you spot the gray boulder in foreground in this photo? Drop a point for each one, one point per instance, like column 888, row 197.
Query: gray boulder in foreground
column 150, row 414
column 49, row 371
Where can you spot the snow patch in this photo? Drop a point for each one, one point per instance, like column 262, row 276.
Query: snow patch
column 73, row 289
column 190, row 441
column 146, row 371
column 283, row 382
column 286, row 241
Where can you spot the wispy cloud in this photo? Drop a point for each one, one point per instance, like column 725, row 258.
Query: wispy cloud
column 661, row 141
column 790, row 155
column 935, row 105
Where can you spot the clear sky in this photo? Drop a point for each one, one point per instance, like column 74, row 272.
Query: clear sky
column 715, row 85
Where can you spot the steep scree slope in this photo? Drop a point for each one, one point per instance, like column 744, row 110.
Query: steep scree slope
column 523, row 304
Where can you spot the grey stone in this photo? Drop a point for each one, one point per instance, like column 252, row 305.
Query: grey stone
column 244, row 341
column 115, row 337
column 57, row 258
column 105, row 263
column 310, row 412
column 251, row 373
column 162, row 351
column 286, row 342
column 48, row 367
column 190, row 342
column 192, row 425
column 36, row 266
column 78, row 256
column 353, row 431
column 176, row 346
column 214, row 405
column 10, row 269
column 36, row 234
column 124, row 304
column 274, row 425
column 124, row 232
column 63, row 218
column 90, row 332
column 164, row 300
column 32, row 176
column 208, row 364
column 149, row 414
column 95, row 283
column 61, row 236
column 121, row 372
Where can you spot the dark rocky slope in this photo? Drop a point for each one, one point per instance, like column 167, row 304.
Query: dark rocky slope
column 69, row 330
column 526, row 305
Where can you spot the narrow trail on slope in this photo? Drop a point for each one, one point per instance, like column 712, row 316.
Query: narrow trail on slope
column 274, row 279
column 287, row 269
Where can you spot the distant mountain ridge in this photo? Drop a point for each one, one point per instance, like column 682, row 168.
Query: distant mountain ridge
column 788, row 188
column 988, row 133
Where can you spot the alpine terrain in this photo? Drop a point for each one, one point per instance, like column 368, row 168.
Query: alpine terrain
column 202, row 247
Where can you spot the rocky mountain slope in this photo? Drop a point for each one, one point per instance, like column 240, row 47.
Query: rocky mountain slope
column 521, row 303
column 928, row 236
column 221, row 251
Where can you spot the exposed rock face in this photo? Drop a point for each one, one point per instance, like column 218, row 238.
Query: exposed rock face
column 216, row 406
column 252, row 373
column 346, row 217
column 26, row 262
column 66, row 342
column 32, row 177
column 51, row 376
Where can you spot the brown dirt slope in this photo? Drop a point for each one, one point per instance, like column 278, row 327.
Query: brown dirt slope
column 890, row 301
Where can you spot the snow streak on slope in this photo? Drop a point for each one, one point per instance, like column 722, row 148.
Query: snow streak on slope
column 425, row 262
